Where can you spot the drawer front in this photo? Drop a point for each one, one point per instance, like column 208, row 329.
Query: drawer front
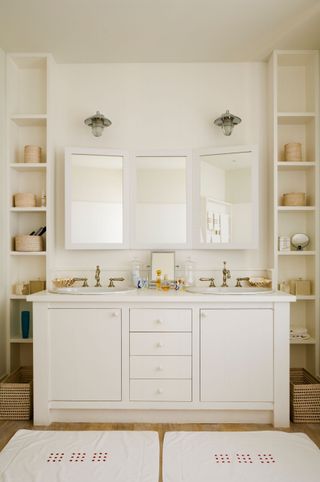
column 160, row 390
column 160, row 320
column 160, row 367
column 160, row 343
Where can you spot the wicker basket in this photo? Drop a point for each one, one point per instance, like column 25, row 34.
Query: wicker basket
column 304, row 396
column 16, row 395
column 28, row 243
column 292, row 152
column 294, row 199
column 32, row 154
column 24, row 200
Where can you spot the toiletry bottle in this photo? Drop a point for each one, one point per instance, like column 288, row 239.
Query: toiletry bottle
column 135, row 272
column 189, row 272
column 158, row 279
column 165, row 283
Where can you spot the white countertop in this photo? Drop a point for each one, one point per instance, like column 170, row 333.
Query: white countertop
column 152, row 295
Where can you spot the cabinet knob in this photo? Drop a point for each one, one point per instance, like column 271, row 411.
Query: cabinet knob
column 160, row 368
column 159, row 391
column 160, row 344
column 115, row 314
column 159, row 321
column 203, row 314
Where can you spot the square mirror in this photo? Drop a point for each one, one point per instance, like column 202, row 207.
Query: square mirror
column 165, row 261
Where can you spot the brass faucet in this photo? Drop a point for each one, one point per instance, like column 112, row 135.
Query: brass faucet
column 97, row 277
column 111, row 282
column 226, row 275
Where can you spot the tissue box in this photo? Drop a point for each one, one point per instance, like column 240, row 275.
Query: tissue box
column 300, row 287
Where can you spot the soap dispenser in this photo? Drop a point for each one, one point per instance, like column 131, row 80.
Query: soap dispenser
column 136, row 272
column 189, row 268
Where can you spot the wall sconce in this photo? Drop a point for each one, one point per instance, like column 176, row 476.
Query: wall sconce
column 97, row 123
column 226, row 122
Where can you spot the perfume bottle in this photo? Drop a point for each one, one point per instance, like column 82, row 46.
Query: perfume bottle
column 165, row 284
column 158, row 279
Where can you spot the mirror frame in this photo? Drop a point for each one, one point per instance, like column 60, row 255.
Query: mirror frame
column 69, row 151
column 187, row 154
column 196, row 219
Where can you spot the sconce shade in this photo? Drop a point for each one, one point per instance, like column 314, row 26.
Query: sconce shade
column 227, row 121
column 97, row 123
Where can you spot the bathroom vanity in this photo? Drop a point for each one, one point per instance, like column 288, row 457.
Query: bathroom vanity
column 148, row 356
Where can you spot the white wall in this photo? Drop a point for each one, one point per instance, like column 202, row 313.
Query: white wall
column 159, row 106
column 2, row 220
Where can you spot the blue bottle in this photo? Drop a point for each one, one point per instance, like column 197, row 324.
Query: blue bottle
column 25, row 323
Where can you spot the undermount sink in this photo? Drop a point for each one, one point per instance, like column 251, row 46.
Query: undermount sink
column 79, row 290
column 228, row 291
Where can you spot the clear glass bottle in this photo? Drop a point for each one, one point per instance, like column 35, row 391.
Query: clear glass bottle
column 158, row 279
column 165, row 283
column 189, row 268
column 136, row 272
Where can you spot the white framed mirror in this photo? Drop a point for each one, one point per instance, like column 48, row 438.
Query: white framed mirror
column 165, row 262
column 96, row 192
column 161, row 217
column 226, row 198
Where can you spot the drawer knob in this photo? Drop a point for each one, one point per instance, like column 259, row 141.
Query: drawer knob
column 115, row 314
column 159, row 321
column 160, row 368
column 160, row 344
column 203, row 314
column 159, row 391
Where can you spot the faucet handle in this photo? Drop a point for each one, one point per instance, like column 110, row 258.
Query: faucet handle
column 238, row 284
column 85, row 283
column 111, row 282
column 212, row 284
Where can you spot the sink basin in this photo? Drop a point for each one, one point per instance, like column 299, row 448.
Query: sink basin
column 228, row 291
column 79, row 290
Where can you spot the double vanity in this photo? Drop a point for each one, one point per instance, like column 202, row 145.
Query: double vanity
column 212, row 355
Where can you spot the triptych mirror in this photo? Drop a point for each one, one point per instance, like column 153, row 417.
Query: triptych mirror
column 206, row 199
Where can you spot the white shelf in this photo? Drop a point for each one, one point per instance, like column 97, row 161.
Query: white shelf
column 29, row 120
column 28, row 253
column 31, row 166
column 296, row 253
column 301, row 165
column 310, row 341
column 305, row 298
column 21, row 340
column 18, row 297
column 29, row 210
column 296, row 208
column 287, row 118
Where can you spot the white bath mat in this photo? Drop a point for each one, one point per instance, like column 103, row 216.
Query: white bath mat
column 57, row 456
column 240, row 457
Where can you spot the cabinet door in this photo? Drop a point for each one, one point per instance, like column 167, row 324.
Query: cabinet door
column 236, row 355
column 85, row 355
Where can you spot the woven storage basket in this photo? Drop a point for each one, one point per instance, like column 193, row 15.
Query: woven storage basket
column 16, row 395
column 292, row 152
column 28, row 243
column 294, row 199
column 24, row 200
column 32, row 154
column 304, row 396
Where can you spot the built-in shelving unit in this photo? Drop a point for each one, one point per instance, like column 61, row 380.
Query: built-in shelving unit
column 28, row 114
column 294, row 87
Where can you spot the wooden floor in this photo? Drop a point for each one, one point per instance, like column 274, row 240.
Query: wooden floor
column 8, row 429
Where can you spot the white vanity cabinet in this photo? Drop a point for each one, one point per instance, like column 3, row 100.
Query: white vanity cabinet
column 85, row 354
column 236, row 353
column 150, row 356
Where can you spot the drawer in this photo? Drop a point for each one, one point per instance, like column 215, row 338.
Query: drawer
column 160, row 320
column 160, row 343
column 160, row 390
column 160, row 367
